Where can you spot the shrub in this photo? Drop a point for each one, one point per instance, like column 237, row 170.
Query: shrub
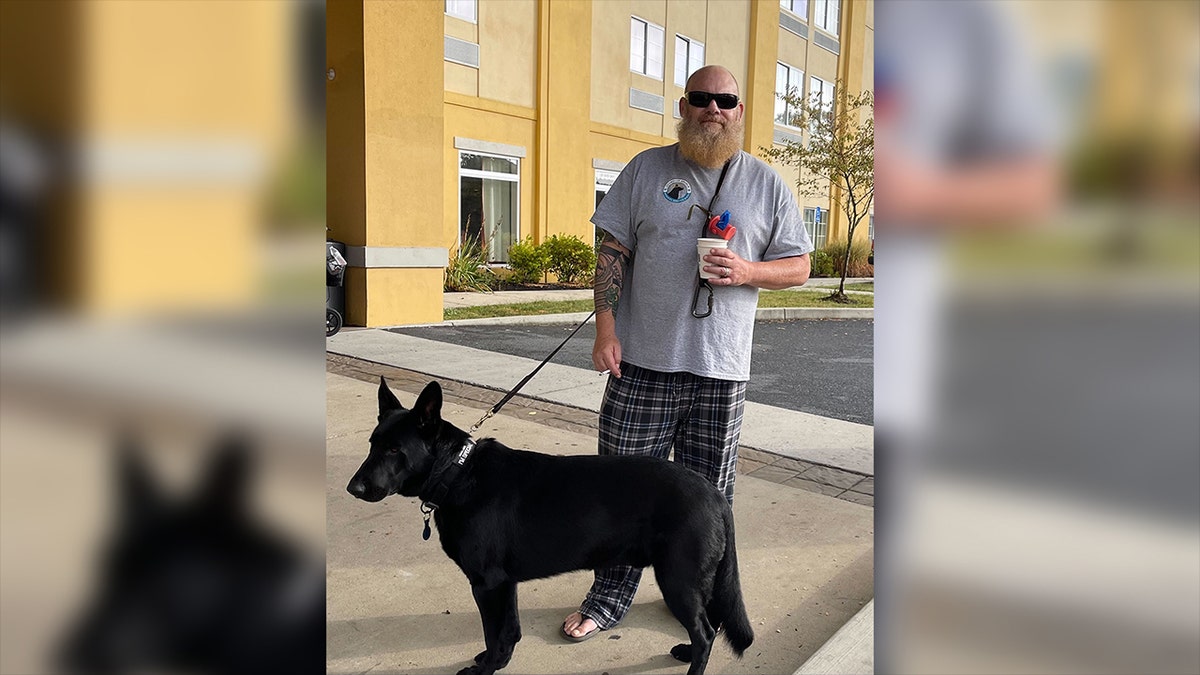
column 528, row 262
column 822, row 264
column 467, row 269
column 859, row 267
column 571, row 259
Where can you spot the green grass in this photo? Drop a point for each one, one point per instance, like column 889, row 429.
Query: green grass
column 765, row 299
column 519, row 309
column 869, row 286
column 810, row 299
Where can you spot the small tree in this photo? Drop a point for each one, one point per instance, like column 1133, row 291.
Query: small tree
column 839, row 156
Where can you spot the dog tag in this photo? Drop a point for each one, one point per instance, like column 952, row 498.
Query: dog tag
column 425, row 534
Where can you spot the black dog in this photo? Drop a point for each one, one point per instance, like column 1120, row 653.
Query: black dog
column 195, row 584
column 499, row 515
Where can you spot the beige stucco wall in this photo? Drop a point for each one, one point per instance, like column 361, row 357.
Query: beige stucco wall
column 793, row 50
column 728, row 32
column 508, row 51
column 345, row 163
column 212, row 122
column 609, row 95
column 403, row 136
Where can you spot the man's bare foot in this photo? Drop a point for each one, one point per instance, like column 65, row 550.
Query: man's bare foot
column 578, row 627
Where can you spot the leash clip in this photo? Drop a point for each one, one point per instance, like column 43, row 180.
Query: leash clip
column 703, row 283
column 486, row 417
column 427, row 508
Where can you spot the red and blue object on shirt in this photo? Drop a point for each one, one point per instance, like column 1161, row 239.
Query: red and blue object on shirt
column 720, row 227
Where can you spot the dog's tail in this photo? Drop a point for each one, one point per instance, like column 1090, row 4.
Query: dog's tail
column 727, row 608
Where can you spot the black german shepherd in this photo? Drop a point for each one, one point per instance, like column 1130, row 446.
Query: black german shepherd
column 195, row 584
column 500, row 518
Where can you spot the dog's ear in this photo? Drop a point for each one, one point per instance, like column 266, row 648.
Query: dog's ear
column 429, row 403
column 136, row 490
column 388, row 403
column 225, row 488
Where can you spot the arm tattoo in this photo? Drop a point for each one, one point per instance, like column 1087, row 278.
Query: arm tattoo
column 611, row 265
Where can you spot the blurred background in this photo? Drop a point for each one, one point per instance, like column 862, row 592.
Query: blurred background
column 1038, row 337
column 162, row 218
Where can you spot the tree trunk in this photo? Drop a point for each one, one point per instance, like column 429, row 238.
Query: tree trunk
column 846, row 264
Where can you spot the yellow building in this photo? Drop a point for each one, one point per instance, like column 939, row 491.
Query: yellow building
column 157, row 125
column 506, row 119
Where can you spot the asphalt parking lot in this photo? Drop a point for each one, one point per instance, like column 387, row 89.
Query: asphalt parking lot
column 818, row 366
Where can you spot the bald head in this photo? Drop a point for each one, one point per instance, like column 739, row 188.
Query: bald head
column 715, row 79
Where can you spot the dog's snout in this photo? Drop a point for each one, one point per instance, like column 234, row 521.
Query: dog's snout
column 357, row 487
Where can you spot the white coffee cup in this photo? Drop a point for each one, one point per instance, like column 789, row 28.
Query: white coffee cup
column 703, row 246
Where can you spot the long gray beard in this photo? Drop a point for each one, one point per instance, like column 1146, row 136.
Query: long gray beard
column 708, row 149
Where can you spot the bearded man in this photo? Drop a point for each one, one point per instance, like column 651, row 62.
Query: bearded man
column 678, row 363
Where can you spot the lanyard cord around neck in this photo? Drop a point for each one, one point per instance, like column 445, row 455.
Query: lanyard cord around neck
column 700, row 281
column 712, row 202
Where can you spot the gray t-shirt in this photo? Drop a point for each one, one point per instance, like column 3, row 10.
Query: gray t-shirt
column 646, row 210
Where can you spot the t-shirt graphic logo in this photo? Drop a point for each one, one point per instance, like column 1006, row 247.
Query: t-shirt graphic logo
column 677, row 190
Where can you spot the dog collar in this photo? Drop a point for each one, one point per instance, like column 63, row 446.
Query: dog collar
column 465, row 453
column 444, row 480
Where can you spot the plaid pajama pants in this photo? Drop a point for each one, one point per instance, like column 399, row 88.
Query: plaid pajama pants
column 646, row 412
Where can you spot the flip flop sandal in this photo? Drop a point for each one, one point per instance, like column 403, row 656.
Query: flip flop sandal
column 586, row 636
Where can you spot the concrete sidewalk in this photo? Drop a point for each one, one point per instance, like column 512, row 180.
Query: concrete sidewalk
column 824, row 441
column 397, row 604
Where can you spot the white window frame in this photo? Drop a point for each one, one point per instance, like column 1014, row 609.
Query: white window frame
column 645, row 56
column 797, row 7
column 818, row 232
column 605, row 179
column 490, row 175
column 820, row 91
column 604, row 182
column 692, row 58
column 827, row 15
column 794, row 78
column 467, row 10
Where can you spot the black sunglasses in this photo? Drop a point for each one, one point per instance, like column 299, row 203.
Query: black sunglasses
column 701, row 99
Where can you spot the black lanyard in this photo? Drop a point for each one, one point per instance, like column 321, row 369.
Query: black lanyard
column 700, row 281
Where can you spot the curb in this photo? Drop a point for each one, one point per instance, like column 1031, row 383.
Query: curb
column 850, row 650
column 776, row 313
column 761, row 314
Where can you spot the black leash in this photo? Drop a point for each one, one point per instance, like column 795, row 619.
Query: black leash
column 444, row 477
column 496, row 408
column 701, row 282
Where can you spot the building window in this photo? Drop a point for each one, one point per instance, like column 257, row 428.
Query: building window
column 820, row 91
column 645, row 48
column 816, row 221
column 489, row 193
column 787, row 79
column 825, row 15
column 689, row 57
column 461, row 9
column 797, row 7
column 871, row 227
column 604, row 181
